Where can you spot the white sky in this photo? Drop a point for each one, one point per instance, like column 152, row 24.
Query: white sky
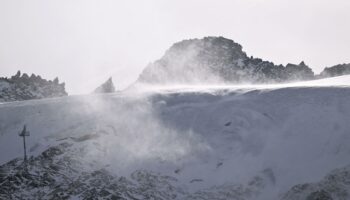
column 83, row 42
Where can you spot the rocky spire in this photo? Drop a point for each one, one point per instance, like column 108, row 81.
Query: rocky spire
column 107, row 87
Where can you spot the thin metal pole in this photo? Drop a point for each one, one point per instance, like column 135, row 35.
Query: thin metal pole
column 25, row 149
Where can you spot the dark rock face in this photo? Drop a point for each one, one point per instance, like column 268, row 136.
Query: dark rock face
column 298, row 72
column 337, row 70
column 319, row 195
column 107, row 87
column 23, row 87
column 217, row 60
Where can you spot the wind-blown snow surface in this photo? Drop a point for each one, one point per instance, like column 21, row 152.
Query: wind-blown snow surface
column 202, row 137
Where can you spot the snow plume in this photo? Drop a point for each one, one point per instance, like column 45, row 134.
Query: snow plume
column 122, row 131
column 128, row 135
column 180, row 65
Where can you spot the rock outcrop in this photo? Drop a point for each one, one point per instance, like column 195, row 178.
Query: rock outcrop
column 23, row 87
column 217, row 60
column 107, row 87
column 337, row 70
column 335, row 185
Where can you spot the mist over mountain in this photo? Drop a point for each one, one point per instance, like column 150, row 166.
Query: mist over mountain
column 217, row 60
column 23, row 87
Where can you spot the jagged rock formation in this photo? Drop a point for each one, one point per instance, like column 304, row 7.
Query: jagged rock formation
column 107, row 87
column 337, row 70
column 23, row 87
column 217, row 60
column 298, row 72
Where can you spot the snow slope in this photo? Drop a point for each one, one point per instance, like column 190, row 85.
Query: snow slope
column 217, row 142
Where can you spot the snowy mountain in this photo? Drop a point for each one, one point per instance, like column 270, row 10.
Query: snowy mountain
column 217, row 60
column 23, row 87
column 277, row 142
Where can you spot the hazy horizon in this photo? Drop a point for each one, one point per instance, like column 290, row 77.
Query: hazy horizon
column 85, row 42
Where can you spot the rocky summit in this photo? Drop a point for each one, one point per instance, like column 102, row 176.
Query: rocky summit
column 217, row 60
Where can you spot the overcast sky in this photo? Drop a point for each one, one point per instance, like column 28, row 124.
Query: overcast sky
column 83, row 42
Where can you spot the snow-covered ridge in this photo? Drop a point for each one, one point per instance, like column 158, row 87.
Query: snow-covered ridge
column 208, row 143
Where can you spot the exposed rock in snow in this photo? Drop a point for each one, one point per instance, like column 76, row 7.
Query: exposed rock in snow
column 60, row 173
column 217, row 60
column 107, row 87
column 299, row 72
column 23, row 87
column 337, row 70
column 335, row 186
